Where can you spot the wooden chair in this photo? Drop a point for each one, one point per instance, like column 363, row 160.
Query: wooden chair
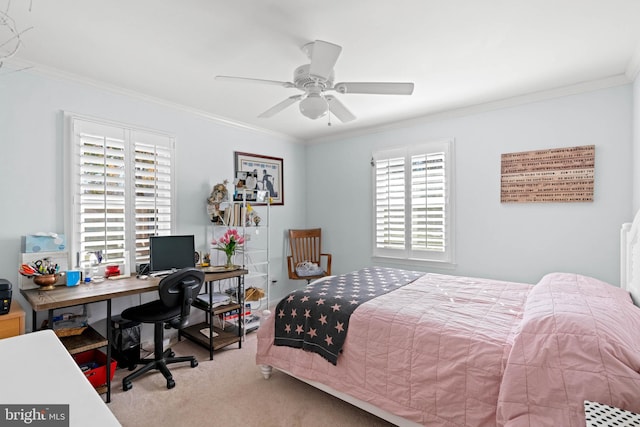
column 306, row 246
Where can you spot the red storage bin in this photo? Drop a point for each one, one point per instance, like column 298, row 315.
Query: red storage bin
column 94, row 366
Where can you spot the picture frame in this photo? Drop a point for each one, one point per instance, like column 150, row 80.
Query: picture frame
column 268, row 174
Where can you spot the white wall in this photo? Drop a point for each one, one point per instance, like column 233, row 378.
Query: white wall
column 636, row 144
column 507, row 241
column 31, row 143
column 519, row 242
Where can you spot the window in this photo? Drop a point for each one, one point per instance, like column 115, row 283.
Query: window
column 120, row 190
column 412, row 198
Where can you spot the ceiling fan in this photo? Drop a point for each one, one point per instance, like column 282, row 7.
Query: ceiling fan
column 316, row 78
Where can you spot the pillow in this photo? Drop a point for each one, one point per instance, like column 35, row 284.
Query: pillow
column 571, row 299
column 308, row 268
column 579, row 340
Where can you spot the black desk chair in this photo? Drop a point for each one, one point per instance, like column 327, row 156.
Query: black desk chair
column 177, row 292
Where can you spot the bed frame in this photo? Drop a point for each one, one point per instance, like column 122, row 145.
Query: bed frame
column 629, row 280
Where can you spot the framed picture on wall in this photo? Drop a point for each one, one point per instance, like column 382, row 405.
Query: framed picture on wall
column 267, row 171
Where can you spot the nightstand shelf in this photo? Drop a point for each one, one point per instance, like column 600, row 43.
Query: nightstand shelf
column 12, row 323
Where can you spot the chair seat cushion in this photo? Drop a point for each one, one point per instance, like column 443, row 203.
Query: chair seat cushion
column 151, row 312
column 308, row 268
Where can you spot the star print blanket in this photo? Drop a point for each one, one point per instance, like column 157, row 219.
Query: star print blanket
column 316, row 318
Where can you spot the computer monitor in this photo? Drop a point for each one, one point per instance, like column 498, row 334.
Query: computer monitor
column 171, row 252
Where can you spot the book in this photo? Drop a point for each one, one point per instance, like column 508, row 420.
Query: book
column 233, row 315
column 217, row 299
column 205, row 332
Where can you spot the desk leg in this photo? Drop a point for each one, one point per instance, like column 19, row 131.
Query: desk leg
column 209, row 318
column 108, row 350
column 240, row 296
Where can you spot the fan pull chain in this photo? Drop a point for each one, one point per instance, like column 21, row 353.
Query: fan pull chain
column 329, row 112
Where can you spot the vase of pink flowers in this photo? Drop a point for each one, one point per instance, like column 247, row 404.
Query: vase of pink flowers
column 229, row 243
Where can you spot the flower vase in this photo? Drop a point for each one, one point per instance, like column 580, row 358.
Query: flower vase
column 229, row 264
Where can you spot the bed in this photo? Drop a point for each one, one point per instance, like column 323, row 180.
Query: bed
column 458, row 351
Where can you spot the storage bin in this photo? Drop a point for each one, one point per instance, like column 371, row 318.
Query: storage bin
column 94, row 366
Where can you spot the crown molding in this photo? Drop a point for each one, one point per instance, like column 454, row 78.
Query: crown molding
column 590, row 86
column 633, row 67
column 16, row 65
column 631, row 72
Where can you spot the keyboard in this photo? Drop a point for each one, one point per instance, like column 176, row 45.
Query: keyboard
column 161, row 273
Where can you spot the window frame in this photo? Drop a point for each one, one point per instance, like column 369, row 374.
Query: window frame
column 444, row 259
column 72, row 181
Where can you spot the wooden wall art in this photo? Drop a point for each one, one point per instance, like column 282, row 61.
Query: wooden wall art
column 554, row 175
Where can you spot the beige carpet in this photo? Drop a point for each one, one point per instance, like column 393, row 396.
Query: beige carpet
column 228, row 391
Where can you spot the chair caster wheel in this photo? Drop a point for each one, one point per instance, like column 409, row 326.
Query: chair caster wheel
column 172, row 353
column 194, row 363
column 171, row 383
column 131, row 368
column 126, row 385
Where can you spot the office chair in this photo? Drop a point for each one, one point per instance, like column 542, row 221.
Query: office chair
column 177, row 292
column 306, row 255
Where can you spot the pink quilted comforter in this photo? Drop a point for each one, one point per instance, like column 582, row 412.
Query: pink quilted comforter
column 458, row 351
column 432, row 352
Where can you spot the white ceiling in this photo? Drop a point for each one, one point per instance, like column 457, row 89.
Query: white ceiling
column 457, row 52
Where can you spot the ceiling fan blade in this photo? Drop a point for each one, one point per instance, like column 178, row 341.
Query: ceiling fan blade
column 323, row 58
column 375, row 88
column 248, row 80
column 338, row 109
column 280, row 106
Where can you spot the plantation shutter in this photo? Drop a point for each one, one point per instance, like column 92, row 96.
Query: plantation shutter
column 412, row 209
column 428, row 196
column 153, row 195
column 102, row 191
column 390, row 203
column 122, row 191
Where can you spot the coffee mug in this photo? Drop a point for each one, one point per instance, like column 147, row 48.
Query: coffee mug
column 73, row 277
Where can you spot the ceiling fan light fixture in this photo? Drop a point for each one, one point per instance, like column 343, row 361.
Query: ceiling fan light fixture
column 316, row 78
column 314, row 106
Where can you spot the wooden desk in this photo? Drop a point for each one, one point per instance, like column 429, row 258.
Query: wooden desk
column 67, row 296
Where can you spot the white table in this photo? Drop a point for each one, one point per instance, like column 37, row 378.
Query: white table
column 36, row 369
